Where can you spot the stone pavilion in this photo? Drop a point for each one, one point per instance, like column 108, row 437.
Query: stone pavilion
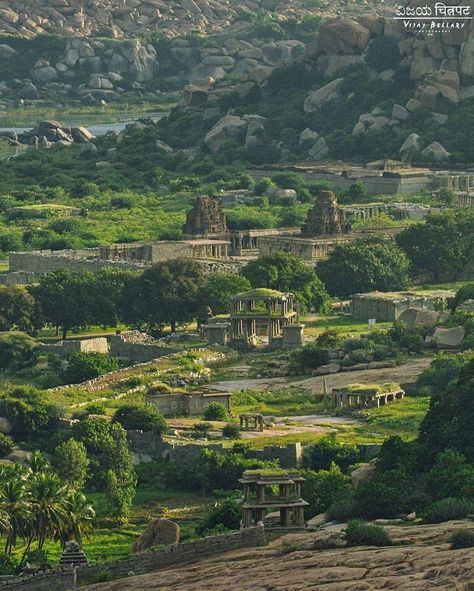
column 266, row 491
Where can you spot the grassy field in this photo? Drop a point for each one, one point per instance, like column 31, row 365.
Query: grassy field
column 284, row 402
column 108, row 543
column 345, row 324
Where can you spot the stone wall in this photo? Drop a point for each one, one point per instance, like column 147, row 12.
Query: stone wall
column 56, row 580
column 389, row 309
column 96, row 345
column 174, row 554
column 121, row 348
column 195, row 404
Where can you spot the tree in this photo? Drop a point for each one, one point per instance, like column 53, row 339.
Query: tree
column 48, row 507
column 324, row 487
column 65, row 298
column 328, row 451
column 227, row 515
column 167, row 293
column 143, row 418
column 442, row 246
column 108, row 286
column 451, row 477
column 17, row 350
column 18, row 310
column 79, row 516
column 448, row 422
column 121, row 479
column 288, row 273
column 370, row 264
column 219, row 289
column 83, row 366
column 71, row 463
column 216, row 411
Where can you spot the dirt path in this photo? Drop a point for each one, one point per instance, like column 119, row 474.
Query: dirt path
column 404, row 374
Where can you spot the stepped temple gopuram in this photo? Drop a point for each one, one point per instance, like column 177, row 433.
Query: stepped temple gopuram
column 208, row 240
column 205, row 218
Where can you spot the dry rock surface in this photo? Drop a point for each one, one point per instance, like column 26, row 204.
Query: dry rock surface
column 422, row 562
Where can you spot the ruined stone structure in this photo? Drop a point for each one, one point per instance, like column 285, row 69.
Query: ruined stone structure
column 258, row 498
column 205, row 218
column 345, row 398
column 251, row 422
column 187, row 404
column 385, row 307
column 73, row 555
column 326, row 218
column 95, row 345
column 309, row 249
column 258, row 317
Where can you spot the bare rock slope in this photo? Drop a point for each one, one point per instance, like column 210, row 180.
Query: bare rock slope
column 130, row 18
column 423, row 561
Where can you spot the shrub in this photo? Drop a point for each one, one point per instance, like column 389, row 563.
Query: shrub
column 463, row 538
column 231, row 431
column 86, row 366
column 343, row 510
column 448, row 509
column 95, row 408
column 227, row 514
column 141, row 418
column 216, row 411
column 202, row 429
column 359, row 533
column 6, row 445
column 8, row 565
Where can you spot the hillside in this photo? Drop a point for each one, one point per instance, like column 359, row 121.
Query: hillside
column 422, row 562
column 132, row 18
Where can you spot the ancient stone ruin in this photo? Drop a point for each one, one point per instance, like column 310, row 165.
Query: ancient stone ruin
column 259, row 498
column 205, row 218
column 73, row 555
column 326, row 218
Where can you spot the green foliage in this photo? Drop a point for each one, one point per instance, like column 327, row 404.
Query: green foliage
column 18, row 310
column 231, row 431
column 219, row 289
column 323, row 488
column 442, row 246
column 359, row 533
column 343, row 510
column 288, row 273
column 202, row 429
column 120, row 476
column 328, row 451
column 448, row 421
column 6, row 445
column 142, row 418
column 370, row 264
column 8, row 565
column 462, row 538
column 385, row 495
column 383, row 53
column 167, row 293
column 226, row 515
column 448, row 509
column 444, row 371
column 17, row 350
column 216, row 411
column 71, row 463
column 450, row 476
column 83, row 366
column 465, row 293
column 29, row 412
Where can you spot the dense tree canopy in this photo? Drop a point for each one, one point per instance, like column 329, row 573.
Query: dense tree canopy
column 288, row 273
column 219, row 289
column 18, row 309
column 167, row 293
column 371, row 264
column 443, row 245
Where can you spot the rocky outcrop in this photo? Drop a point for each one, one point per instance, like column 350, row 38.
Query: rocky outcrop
column 158, row 532
column 320, row 97
column 420, row 560
column 446, row 338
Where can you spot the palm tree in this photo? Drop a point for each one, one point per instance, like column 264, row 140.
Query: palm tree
column 15, row 503
column 37, row 463
column 79, row 518
column 49, row 506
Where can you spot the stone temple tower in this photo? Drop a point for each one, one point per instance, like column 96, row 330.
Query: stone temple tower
column 205, row 218
column 326, row 218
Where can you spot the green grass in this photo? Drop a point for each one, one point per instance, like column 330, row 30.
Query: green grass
column 108, row 542
column 345, row 325
column 284, row 402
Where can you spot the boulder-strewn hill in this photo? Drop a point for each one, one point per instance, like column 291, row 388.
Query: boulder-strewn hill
column 422, row 562
column 131, row 18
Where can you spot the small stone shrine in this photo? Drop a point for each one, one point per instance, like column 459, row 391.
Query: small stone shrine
column 73, row 555
column 251, row 422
